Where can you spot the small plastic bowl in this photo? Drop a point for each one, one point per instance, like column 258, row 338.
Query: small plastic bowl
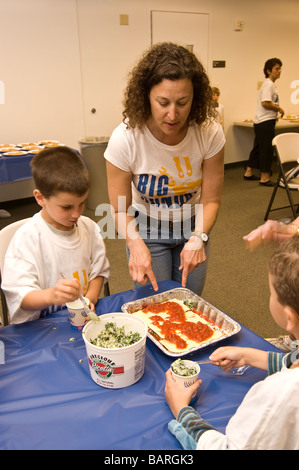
column 186, row 380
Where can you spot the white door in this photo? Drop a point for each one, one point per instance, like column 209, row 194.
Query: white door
column 190, row 30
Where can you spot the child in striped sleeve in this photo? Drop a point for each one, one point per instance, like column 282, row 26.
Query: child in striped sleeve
column 268, row 417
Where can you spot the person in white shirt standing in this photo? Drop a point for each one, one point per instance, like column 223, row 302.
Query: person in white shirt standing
column 165, row 162
column 267, row 111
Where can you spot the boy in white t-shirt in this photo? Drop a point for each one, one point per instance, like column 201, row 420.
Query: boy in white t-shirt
column 56, row 240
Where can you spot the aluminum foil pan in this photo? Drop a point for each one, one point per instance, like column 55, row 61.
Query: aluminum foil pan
column 228, row 326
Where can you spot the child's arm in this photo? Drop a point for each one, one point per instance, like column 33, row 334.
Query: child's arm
column 94, row 289
column 65, row 290
column 271, row 230
column 230, row 356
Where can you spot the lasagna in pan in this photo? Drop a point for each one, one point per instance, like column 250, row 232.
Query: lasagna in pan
column 177, row 326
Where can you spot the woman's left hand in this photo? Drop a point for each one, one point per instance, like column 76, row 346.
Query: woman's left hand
column 192, row 255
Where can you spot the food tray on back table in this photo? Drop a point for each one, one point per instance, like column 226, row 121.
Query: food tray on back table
column 228, row 326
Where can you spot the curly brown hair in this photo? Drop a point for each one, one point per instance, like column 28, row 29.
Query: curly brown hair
column 172, row 62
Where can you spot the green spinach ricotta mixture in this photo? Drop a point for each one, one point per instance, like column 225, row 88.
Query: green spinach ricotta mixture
column 113, row 337
column 179, row 367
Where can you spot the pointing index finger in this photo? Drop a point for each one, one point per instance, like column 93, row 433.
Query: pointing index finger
column 153, row 280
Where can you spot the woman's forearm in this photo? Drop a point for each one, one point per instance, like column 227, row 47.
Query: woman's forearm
column 205, row 221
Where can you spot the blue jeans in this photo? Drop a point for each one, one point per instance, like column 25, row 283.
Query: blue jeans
column 165, row 247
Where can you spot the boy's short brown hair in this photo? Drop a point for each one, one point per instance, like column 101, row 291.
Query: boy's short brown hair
column 59, row 169
column 284, row 270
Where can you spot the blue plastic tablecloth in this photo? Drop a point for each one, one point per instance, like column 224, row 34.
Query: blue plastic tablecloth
column 49, row 401
column 15, row 168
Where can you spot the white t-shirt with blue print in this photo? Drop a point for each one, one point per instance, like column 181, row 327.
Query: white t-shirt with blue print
column 165, row 177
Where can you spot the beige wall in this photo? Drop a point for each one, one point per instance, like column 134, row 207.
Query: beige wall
column 61, row 58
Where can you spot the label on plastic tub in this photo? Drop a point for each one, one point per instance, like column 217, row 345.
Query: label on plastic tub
column 104, row 367
column 112, row 374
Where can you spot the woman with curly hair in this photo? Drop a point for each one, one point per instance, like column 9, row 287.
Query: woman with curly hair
column 165, row 168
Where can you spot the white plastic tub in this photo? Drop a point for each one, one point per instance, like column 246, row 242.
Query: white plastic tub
column 118, row 367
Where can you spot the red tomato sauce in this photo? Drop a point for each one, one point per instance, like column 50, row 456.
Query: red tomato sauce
column 176, row 323
column 196, row 331
column 205, row 317
column 179, row 342
column 156, row 319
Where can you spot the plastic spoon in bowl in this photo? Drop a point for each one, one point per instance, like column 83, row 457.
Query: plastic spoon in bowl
column 92, row 316
column 234, row 370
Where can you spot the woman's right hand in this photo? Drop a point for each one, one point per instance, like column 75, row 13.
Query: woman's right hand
column 140, row 263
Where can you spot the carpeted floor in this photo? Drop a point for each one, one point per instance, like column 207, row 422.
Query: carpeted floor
column 237, row 280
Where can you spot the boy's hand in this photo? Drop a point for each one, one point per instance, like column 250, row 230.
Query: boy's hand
column 228, row 357
column 177, row 396
column 65, row 290
column 91, row 305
